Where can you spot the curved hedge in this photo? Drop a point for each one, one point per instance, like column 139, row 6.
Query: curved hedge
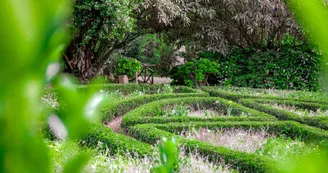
column 147, row 113
column 144, row 121
column 244, row 162
column 123, row 106
column 317, row 121
column 235, row 96
column 103, row 137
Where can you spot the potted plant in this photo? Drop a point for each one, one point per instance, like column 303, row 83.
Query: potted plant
column 125, row 68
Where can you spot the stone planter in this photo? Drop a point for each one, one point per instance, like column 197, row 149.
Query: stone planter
column 123, row 79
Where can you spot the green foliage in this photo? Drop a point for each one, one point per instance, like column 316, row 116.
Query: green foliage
column 314, row 162
column 169, row 155
column 194, row 73
column 242, row 161
column 101, row 20
column 296, row 66
column 282, row 148
column 317, row 121
column 125, row 66
column 178, row 111
column 152, row 49
column 236, row 93
column 99, row 28
column 99, row 136
column 153, row 112
column 32, row 41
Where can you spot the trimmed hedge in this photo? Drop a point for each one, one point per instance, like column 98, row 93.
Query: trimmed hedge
column 115, row 143
column 147, row 113
column 242, row 161
column 289, row 128
column 130, row 88
column 123, row 106
column 235, row 96
column 317, row 121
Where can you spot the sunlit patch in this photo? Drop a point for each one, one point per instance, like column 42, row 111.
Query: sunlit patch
column 52, row 70
column 57, row 127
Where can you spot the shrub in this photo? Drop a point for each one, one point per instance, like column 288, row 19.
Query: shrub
column 123, row 106
column 236, row 93
column 125, row 66
column 292, row 67
column 244, row 162
column 259, row 104
column 194, row 73
column 148, row 113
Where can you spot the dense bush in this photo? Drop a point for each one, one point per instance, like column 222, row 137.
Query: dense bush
column 194, row 72
column 125, row 66
column 296, row 65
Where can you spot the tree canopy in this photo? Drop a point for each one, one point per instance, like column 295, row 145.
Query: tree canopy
column 103, row 27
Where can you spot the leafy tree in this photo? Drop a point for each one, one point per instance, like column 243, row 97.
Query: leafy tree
column 103, row 27
column 99, row 28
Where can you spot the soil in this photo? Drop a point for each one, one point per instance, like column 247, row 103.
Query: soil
column 159, row 80
column 202, row 113
column 115, row 124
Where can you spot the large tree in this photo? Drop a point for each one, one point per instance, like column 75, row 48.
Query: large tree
column 101, row 27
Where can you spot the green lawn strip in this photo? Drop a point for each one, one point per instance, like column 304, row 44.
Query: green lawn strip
column 317, row 121
column 147, row 113
column 235, row 96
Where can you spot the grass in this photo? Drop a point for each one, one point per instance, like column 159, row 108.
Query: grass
column 237, row 139
column 259, row 142
column 102, row 162
column 196, row 111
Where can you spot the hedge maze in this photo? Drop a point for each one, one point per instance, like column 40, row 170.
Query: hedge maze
column 149, row 117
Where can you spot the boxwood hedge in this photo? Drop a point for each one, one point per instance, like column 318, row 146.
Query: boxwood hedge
column 236, row 96
column 242, row 161
column 147, row 113
column 100, row 136
column 317, row 121
column 123, row 106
